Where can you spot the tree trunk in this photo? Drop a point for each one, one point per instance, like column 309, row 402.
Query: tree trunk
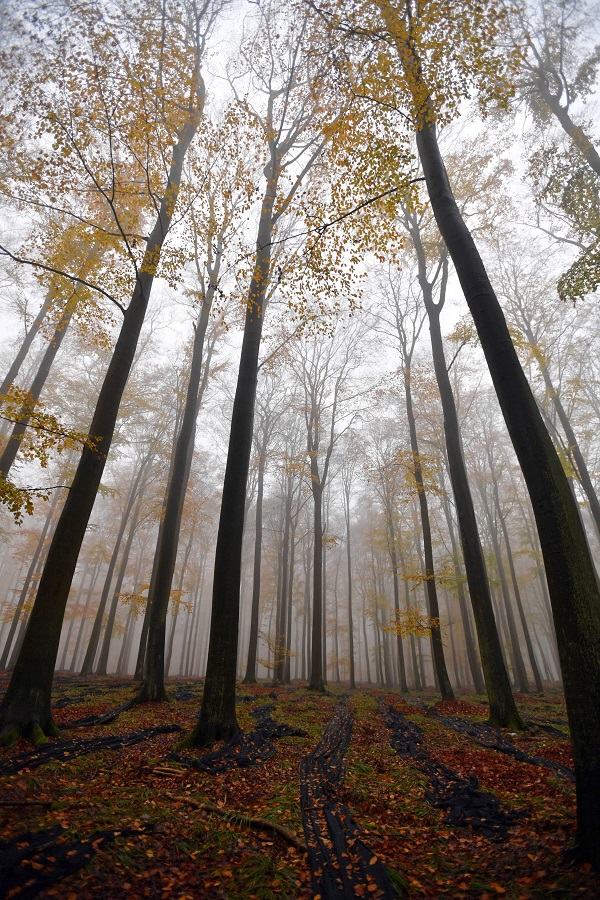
column 90, row 655
column 317, row 676
column 153, row 686
column 282, row 620
column 102, row 667
column 27, row 342
column 349, row 568
column 217, row 719
column 33, row 565
column 82, row 617
column 26, row 704
column 184, row 563
column 503, row 711
column 575, row 132
column 571, row 578
column 18, row 432
column 439, row 663
column 473, row 661
column 394, row 560
column 513, row 575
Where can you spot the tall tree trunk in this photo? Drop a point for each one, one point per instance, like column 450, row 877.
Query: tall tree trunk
column 282, row 620
column 503, row 711
column 250, row 676
column 26, row 704
column 317, row 675
column 474, row 666
column 184, row 564
column 517, row 656
column 571, row 578
column 439, row 663
column 217, row 719
column 394, row 560
column 349, row 569
column 83, row 617
column 153, row 686
column 63, row 661
column 102, row 667
column 287, row 674
column 513, row 575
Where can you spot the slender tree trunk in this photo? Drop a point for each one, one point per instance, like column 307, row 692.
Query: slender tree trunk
column 287, row 673
column 366, row 640
column 571, row 577
column 317, row 675
column 90, row 654
column 439, row 663
column 18, row 432
column 102, row 667
column 33, row 567
column 27, row 342
column 282, row 621
column 517, row 656
column 474, row 666
column 184, row 563
column 63, row 660
column 83, row 617
column 153, row 686
column 349, row 569
column 394, row 560
column 513, row 575
column 452, row 644
column 250, row 677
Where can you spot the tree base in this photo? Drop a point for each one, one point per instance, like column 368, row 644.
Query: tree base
column 34, row 732
column 151, row 693
column 205, row 734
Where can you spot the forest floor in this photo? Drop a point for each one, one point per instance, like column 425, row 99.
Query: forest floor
column 148, row 826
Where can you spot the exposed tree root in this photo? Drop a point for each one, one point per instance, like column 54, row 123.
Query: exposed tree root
column 249, row 821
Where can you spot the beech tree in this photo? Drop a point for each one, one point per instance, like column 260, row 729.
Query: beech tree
column 291, row 116
column 162, row 138
column 219, row 211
